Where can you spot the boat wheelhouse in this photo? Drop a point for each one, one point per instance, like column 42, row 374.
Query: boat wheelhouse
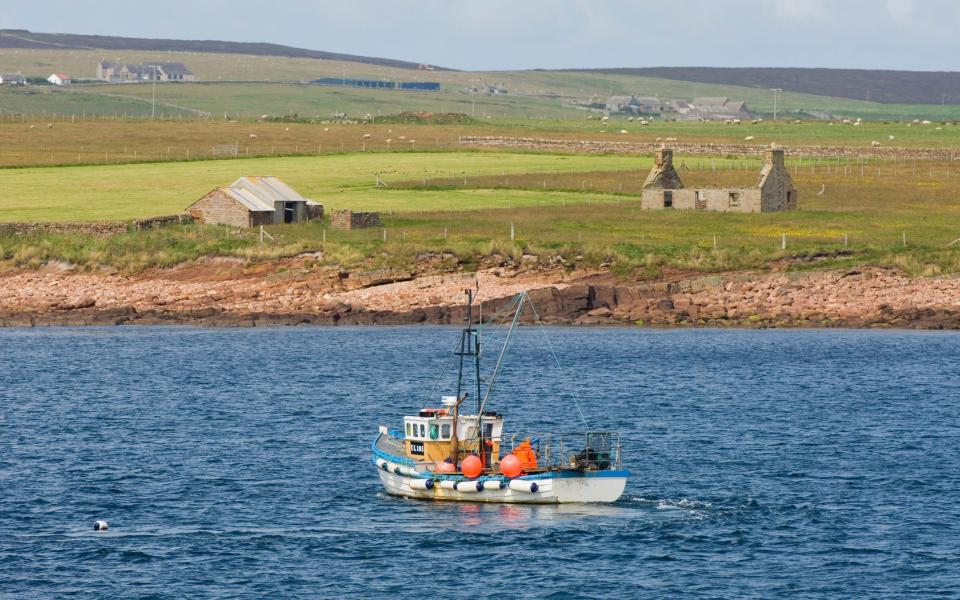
column 443, row 453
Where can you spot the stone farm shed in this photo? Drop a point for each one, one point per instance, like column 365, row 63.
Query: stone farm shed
column 253, row 201
column 774, row 191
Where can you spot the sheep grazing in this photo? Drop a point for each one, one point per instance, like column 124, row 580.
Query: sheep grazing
column 749, row 138
column 925, row 122
column 798, row 122
column 253, row 136
column 847, row 122
column 366, row 136
column 670, row 139
column 604, row 119
column 891, row 138
column 49, row 125
column 875, row 144
column 32, row 126
column 624, row 131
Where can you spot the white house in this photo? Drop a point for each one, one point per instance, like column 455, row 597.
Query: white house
column 59, row 79
column 12, row 79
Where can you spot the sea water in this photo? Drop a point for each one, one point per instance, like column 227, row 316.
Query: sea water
column 236, row 463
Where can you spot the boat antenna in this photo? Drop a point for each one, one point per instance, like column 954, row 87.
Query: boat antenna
column 503, row 351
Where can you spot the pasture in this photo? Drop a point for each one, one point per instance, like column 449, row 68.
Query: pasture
column 583, row 208
column 68, row 139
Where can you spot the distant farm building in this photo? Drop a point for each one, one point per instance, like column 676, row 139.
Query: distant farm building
column 59, row 79
column 253, row 201
column 349, row 219
column 116, row 71
column 12, row 79
column 719, row 108
column 634, row 105
column 378, row 84
column 774, row 191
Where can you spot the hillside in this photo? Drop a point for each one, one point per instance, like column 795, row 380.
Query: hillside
column 886, row 87
column 21, row 38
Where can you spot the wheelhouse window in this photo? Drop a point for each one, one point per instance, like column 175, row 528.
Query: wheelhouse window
column 423, row 430
column 409, row 430
column 445, row 431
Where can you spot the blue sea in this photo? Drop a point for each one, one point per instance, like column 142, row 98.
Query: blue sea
column 236, row 464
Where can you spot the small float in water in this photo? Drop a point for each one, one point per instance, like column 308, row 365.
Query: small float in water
column 446, row 453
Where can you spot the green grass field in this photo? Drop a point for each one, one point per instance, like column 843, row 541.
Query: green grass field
column 120, row 192
column 861, row 216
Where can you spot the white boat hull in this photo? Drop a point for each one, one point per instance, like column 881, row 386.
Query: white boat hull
column 551, row 488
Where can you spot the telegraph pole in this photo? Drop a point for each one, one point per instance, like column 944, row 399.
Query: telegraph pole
column 776, row 92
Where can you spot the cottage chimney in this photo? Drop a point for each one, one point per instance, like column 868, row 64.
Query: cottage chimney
column 774, row 158
column 664, row 157
column 663, row 176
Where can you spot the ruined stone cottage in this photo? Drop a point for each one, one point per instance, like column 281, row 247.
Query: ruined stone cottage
column 774, row 191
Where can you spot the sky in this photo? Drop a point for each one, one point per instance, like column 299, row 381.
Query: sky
column 550, row 34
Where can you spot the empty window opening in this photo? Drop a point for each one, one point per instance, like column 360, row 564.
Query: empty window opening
column 668, row 199
column 734, row 198
column 699, row 200
column 288, row 212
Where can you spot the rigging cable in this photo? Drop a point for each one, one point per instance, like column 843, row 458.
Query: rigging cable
column 557, row 360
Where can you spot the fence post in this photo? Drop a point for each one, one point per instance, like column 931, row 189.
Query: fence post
column 511, row 232
column 783, row 241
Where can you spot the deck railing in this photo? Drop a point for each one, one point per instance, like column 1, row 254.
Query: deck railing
column 592, row 450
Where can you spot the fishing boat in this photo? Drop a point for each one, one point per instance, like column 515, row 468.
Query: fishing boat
column 447, row 452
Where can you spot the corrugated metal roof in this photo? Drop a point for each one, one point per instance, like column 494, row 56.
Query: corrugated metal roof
column 259, row 194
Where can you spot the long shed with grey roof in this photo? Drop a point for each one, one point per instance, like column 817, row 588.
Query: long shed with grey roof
column 253, row 201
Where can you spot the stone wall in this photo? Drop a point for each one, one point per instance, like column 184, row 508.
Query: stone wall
column 220, row 208
column 743, row 200
column 348, row 219
column 97, row 228
column 710, row 149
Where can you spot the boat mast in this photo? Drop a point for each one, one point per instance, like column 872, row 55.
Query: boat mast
column 467, row 348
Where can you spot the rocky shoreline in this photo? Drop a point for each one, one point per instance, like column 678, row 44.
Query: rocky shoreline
column 301, row 291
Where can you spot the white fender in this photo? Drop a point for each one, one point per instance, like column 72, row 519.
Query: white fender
column 421, row 484
column 523, row 485
column 467, row 487
column 492, row 484
column 448, row 484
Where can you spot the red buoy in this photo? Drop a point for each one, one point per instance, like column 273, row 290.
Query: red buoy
column 471, row 466
column 445, row 467
column 510, row 466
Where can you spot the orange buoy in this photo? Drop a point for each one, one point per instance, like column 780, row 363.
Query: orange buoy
column 445, row 466
column 510, row 466
column 471, row 466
